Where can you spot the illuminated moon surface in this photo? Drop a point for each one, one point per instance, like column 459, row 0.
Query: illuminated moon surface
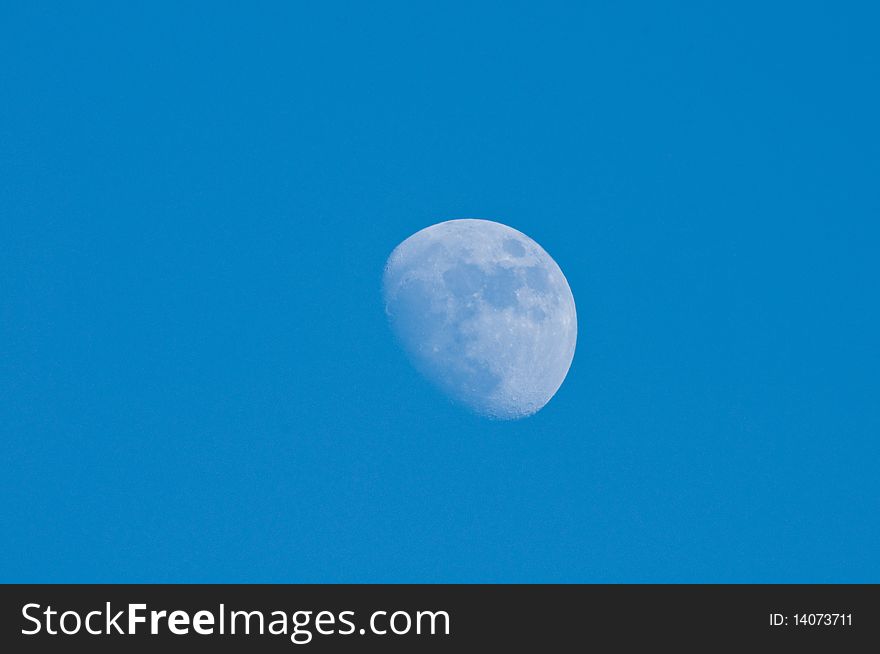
column 484, row 313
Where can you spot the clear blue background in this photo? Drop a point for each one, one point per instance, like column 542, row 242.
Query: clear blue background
column 196, row 379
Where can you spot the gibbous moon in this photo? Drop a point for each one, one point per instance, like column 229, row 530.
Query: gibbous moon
column 484, row 313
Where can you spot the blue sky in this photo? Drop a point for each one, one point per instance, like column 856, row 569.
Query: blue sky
column 197, row 383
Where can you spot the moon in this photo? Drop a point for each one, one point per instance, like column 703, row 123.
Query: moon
column 484, row 313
